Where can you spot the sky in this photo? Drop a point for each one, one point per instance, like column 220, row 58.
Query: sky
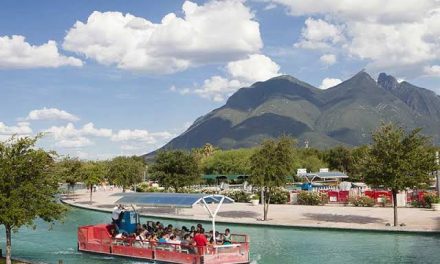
column 101, row 78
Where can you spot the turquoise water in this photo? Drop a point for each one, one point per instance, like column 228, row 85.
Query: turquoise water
column 268, row 245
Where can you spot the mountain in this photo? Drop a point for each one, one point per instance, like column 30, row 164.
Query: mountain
column 346, row 114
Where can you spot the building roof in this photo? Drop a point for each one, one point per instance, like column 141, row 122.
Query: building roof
column 180, row 200
column 331, row 175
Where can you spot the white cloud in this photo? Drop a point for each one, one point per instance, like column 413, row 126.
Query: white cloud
column 397, row 36
column 69, row 131
column 329, row 82
column 77, row 142
column 125, row 135
column 389, row 11
column 70, row 137
column 217, row 88
column 319, row 34
column 51, row 114
column 216, row 31
column 328, row 59
column 16, row 53
column 240, row 73
column 433, row 70
column 90, row 130
column 20, row 129
column 256, row 67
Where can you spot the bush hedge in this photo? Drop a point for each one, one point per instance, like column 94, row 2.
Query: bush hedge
column 312, row 198
column 429, row 199
column 362, row 201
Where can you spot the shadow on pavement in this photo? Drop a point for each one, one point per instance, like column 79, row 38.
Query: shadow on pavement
column 344, row 218
column 238, row 214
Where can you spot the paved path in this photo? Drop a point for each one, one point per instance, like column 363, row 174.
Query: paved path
column 362, row 218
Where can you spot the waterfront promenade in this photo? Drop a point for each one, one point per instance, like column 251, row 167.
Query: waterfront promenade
column 330, row 216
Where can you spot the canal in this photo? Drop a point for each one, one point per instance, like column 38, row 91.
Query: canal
column 48, row 244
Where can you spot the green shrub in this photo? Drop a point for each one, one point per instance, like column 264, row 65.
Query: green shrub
column 144, row 187
column 279, row 196
column 429, row 199
column 362, row 201
column 418, row 204
column 384, row 200
column 238, row 196
column 312, row 198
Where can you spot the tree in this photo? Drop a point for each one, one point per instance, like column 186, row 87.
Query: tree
column 309, row 159
column 340, row 159
column 92, row 173
column 27, row 186
column 359, row 156
column 126, row 171
column 175, row 168
column 398, row 160
column 68, row 170
column 235, row 161
column 270, row 165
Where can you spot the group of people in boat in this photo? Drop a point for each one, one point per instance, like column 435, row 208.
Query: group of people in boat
column 192, row 239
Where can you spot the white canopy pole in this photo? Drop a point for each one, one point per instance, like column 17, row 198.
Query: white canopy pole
column 213, row 215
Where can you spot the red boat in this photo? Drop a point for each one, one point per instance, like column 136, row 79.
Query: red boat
column 100, row 238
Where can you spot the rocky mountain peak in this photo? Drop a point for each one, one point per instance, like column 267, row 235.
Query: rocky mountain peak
column 387, row 81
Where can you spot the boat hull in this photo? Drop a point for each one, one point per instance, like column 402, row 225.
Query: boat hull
column 97, row 239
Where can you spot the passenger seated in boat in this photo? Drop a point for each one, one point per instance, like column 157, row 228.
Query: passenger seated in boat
column 112, row 231
column 173, row 240
column 163, row 238
column 153, row 239
column 227, row 240
column 218, row 239
column 122, row 235
column 188, row 244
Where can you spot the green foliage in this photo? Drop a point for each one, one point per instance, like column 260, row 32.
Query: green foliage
column 227, row 162
column 28, row 186
column 399, row 160
column 68, row 170
column 176, row 169
column 362, row 201
column 339, row 158
column 310, row 159
column 92, row 173
column 145, row 187
column 418, row 204
column 384, row 200
column 312, row 198
column 359, row 157
column 125, row 171
column 270, row 164
column 429, row 199
column 239, row 196
column 204, row 152
column 279, row 196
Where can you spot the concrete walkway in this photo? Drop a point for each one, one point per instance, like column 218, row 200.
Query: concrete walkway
column 330, row 216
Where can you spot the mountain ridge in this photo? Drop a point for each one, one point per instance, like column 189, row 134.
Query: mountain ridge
column 345, row 114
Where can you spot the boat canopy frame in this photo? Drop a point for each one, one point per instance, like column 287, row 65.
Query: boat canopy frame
column 178, row 200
